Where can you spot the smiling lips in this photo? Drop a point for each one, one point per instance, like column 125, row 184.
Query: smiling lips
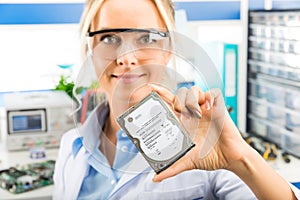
column 128, row 78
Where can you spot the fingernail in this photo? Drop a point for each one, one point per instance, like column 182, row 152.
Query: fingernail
column 207, row 105
column 198, row 114
column 211, row 102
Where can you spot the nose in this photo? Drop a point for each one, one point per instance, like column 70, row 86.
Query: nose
column 128, row 59
column 127, row 54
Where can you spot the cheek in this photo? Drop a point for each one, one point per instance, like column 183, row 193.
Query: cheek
column 104, row 78
column 102, row 66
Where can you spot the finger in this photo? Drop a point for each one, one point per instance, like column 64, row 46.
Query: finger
column 173, row 170
column 210, row 98
column 201, row 95
column 193, row 96
column 166, row 94
column 216, row 98
column 179, row 101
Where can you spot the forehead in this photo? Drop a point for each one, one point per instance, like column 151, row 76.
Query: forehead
column 128, row 14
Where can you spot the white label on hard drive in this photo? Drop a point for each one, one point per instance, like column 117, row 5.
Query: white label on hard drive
column 159, row 138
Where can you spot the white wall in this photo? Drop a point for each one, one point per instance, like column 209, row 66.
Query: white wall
column 30, row 55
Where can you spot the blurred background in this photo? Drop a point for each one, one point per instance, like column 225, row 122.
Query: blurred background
column 255, row 45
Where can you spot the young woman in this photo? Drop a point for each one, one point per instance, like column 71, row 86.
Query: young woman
column 128, row 44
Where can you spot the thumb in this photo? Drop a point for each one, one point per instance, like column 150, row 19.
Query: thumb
column 178, row 167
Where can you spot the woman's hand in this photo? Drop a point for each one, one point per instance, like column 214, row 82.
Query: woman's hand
column 219, row 144
column 204, row 116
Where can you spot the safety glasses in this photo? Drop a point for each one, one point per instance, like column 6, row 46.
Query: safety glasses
column 111, row 43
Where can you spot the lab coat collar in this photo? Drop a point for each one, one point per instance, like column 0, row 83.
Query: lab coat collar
column 93, row 126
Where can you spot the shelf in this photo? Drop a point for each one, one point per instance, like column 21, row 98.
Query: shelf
column 287, row 140
column 274, row 77
column 278, row 80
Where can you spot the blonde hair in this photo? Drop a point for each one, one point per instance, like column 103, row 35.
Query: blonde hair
column 164, row 7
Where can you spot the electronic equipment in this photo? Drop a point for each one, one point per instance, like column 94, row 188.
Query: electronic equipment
column 156, row 132
column 27, row 177
column 37, row 118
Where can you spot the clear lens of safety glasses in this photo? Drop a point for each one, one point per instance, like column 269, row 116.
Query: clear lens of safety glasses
column 144, row 43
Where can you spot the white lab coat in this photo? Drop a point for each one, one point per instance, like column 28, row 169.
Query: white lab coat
column 70, row 172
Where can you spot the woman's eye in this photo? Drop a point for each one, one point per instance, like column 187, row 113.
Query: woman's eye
column 146, row 39
column 110, row 39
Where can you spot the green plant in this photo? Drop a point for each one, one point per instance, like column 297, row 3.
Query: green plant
column 67, row 85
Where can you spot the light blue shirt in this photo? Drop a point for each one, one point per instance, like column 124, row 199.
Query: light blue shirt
column 102, row 178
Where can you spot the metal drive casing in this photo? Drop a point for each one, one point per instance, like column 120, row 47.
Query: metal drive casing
column 156, row 132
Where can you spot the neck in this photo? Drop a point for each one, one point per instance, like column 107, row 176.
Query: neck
column 109, row 139
column 111, row 128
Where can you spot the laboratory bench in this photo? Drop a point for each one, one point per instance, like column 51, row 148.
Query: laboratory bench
column 16, row 159
column 20, row 158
